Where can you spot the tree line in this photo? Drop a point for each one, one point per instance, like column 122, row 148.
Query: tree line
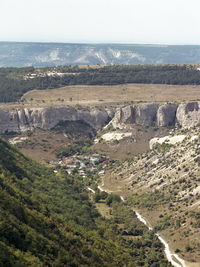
column 13, row 84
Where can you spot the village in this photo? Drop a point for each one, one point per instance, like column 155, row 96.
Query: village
column 83, row 164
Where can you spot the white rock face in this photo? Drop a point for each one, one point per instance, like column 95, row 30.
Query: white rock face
column 169, row 114
column 146, row 114
column 96, row 118
column 47, row 118
column 111, row 136
column 185, row 115
column 188, row 115
column 9, row 121
column 166, row 139
column 125, row 115
column 166, row 114
column 141, row 114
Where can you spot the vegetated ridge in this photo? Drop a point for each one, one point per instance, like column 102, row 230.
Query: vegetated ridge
column 14, row 82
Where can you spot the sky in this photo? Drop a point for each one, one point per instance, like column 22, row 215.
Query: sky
column 101, row 21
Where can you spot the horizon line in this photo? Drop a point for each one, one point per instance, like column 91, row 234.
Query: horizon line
column 103, row 43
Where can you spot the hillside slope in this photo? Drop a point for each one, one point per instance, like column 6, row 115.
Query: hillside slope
column 164, row 185
column 46, row 219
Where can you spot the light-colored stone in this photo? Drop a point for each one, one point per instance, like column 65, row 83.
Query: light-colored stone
column 146, row 114
column 166, row 114
column 141, row 114
column 166, row 139
column 185, row 115
column 47, row 118
column 188, row 115
column 9, row 121
column 112, row 136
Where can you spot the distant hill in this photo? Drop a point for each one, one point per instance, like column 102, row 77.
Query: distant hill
column 14, row 54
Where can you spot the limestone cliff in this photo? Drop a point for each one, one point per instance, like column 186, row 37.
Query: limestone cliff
column 149, row 114
column 47, row 118
column 188, row 115
column 141, row 114
column 168, row 114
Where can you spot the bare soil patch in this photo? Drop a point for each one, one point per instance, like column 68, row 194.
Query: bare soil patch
column 42, row 146
column 130, row 146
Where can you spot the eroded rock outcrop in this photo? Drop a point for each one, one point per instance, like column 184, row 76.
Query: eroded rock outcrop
column 146, row 114
column 9, row 121
column 188, row 115
column 125, row 115
column 47, row 118
column 169, row 114
column 164, row 115
column 141, row 114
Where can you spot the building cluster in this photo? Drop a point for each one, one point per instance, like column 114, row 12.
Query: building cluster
column 83, row 164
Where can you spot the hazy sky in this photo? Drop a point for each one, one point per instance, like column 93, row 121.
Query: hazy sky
column 125, row 21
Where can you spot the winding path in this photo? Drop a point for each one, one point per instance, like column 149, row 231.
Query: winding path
column 169, row 255
column 91, row 190
column 173, row 258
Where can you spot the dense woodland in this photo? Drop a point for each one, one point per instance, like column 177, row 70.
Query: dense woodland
column 13, row 83
column 47, row 219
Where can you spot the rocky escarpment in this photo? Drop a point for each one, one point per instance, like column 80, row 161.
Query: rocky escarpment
column 188, row 115
column 47, row 118
column 168, row 114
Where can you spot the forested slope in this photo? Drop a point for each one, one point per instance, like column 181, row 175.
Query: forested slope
column 47, row 219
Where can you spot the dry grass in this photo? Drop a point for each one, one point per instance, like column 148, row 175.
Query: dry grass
column 101, row 95
column 104, row 210
column 43, row 145
column 119, row 180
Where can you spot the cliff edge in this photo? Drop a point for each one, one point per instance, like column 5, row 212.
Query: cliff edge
column 149, row 114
